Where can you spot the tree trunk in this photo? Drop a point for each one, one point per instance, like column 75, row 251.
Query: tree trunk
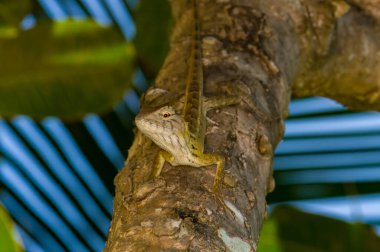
column 261, row 47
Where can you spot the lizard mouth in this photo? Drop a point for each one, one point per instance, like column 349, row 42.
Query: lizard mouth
column 141, row 122
column 138, row 120
column 148, row 125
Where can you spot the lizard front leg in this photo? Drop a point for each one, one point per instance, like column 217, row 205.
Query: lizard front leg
column 160, row 161
column 214, row 159
column 211, row 159
column 204, row 160
column 219, row 161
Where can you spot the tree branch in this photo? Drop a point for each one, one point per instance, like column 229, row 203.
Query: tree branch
column 260, row 47
column 348, row 67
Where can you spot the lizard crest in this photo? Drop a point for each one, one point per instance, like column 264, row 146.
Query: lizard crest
column 181, row 135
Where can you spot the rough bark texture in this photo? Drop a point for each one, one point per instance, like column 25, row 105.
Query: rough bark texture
column 261, row 47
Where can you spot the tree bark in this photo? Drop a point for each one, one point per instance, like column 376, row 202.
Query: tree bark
column 261, row 47
column 344, row 58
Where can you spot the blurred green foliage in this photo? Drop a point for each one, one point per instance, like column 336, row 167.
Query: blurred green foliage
column 291, row 230
column 13, row 11
column 269, row 241
column 66, row 69
column 153, row 24
column 7, row 240
column 72, row 68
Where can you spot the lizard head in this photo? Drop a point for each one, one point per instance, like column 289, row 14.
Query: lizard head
column 163, row 121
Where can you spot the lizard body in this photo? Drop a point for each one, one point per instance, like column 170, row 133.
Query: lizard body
column 181, row 135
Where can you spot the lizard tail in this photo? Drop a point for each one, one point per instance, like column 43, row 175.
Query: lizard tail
column 194, row 83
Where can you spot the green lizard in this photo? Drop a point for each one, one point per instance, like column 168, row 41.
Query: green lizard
column 181, row 133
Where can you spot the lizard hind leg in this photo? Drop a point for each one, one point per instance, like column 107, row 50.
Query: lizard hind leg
column 220, row 101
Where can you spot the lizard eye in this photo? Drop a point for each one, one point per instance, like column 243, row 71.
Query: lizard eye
column 166, row 115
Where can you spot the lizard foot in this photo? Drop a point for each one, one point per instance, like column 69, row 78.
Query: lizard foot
column 220, row 202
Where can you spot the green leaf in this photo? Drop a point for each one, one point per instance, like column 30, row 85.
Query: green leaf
column 7, row 240
column 291, row 230
column 66, row 69
column 153, row 24
column 269, row 241
column 13, row 11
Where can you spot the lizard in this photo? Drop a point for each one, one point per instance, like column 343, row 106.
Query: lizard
column 181, row 134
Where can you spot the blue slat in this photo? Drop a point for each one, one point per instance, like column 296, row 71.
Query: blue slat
column 314, row 105
column 346, row 175
column 312, row 161
column 103, row 138
column 122, row 17
column 140, row 81
column 361, row 208
column 95, row 8
column 78, row 161
column 48, row 153
column 328, row 144
column 13, row 147
column 355, row 123
column 53, row 9
column 132, row 101
column 21, row 187
column 74, row 9
column 29, row 243
column 18, row 212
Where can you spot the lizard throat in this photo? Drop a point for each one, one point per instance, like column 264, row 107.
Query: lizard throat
column 169, row 135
